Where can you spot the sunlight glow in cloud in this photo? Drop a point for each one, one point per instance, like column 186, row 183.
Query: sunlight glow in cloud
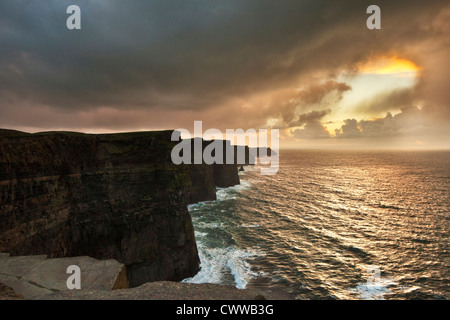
column 383, row 84
column 389, row 66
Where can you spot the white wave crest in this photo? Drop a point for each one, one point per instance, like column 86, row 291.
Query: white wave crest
column 374, row 290
column 232, row 192
column 217, row 262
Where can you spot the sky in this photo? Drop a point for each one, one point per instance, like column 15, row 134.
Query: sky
column 311, row 69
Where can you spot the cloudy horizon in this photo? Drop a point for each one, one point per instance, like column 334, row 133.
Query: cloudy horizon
column 311, row 69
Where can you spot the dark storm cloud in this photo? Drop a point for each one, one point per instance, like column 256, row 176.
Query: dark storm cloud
column 350, row 129
column 139, row 64
column 315, row 93
column 311, row 130
column 312, row 116
column 312, row 127
column 136, row 53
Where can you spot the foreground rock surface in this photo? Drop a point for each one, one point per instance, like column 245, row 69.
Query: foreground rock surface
column 32, row 277
column 8, row 293
column 164, row 290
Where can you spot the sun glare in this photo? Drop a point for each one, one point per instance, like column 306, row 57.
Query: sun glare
column 389, row 66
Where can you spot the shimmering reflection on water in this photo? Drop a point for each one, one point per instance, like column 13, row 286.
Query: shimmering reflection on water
column 327, row 217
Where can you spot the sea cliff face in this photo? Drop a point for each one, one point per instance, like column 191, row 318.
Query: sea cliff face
column 116, row 196
column 205, row 178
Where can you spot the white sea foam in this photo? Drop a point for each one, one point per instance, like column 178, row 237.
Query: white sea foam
column 210, row 225
column 249, row 225
column 220, row 265
column 231, row 192
column 240, row 268
column 374, row 290
column 197, row 206
column 217, row 262
column 199, row 234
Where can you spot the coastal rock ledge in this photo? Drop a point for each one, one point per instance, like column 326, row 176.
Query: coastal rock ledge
column 33, row 277
column 108, row 196
column 165, row 290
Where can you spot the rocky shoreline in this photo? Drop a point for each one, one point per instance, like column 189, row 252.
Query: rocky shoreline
column 41, row 278
column 106, row 197
column 112, row 196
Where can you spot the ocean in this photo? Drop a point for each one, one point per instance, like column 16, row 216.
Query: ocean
column 333, row 225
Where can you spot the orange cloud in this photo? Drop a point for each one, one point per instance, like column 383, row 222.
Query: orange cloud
column 389, row 65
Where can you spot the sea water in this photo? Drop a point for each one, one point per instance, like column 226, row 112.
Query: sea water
column 333, row 225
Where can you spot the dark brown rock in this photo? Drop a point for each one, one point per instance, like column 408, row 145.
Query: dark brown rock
column 116, row 196
column 202, row 186
column 226, row 175
column 8, row 293
column 205, row 178
column 106, row 196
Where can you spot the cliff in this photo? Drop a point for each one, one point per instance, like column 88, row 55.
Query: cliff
column 116, row 196
column 205, row 178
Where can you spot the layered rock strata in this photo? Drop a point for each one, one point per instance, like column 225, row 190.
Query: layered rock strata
column 116, row 196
